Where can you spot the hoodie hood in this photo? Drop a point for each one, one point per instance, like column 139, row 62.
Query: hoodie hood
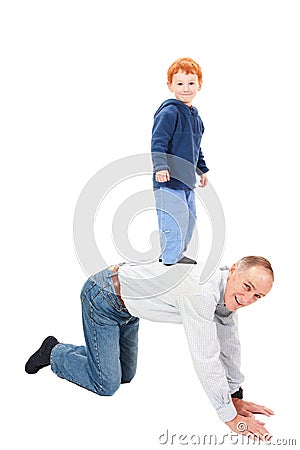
column 180, row 105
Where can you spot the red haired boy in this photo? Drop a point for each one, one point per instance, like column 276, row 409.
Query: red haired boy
column 177, row 158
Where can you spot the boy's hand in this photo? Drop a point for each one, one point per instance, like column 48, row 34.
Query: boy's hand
column 203, row 180
column 162, row 176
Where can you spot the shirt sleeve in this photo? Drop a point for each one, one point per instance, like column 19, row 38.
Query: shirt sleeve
column 162, row 133
column 197, row 317
column 230, row 354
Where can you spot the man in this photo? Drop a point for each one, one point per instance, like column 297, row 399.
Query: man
column 114, row 299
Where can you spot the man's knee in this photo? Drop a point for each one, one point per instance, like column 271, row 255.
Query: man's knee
column 106, row 391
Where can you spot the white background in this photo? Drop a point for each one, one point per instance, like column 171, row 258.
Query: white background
column 80, row 82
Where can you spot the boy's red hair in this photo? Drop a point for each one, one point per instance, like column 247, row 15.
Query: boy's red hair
column 187, row 65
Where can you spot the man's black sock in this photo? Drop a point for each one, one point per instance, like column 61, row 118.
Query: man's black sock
column 41, row 358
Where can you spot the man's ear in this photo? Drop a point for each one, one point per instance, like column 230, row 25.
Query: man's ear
column 232, row 269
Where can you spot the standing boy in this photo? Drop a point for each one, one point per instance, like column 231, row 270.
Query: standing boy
column 177, row 157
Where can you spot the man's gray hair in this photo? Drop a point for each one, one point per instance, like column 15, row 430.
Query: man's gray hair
column 250, row 261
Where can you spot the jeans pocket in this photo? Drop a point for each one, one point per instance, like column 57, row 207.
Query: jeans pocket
column 110, row 297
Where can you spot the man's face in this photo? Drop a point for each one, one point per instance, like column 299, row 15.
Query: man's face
column 245, row 287
column 185, row 87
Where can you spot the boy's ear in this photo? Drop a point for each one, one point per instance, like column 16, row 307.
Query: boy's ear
column 169, row 86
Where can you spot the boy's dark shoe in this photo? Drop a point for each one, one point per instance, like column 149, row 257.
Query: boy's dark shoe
column 186, row 260
column 183, row 260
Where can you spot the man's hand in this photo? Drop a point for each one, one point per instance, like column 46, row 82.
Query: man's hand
column 248, row 409
column 162, row 176
column 203, row 180
column 249, row 426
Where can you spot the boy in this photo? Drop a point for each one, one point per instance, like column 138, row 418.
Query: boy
column 177, row 157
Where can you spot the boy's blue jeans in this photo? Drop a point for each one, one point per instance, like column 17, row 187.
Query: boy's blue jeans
column 176, row 211
column 111, row 335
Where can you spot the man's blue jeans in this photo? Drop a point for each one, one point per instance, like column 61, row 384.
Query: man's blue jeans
column 111, row 335
column 176, row 212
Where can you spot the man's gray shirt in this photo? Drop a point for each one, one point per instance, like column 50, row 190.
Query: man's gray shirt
column 174, row 294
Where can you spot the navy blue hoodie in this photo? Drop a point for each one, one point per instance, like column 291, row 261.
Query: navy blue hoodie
column 176, row 139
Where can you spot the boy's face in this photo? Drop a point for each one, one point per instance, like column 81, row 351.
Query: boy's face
column 185, row 87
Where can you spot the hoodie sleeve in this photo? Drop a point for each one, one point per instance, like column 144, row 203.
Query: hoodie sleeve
column 201, row 164
column 162, row 133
